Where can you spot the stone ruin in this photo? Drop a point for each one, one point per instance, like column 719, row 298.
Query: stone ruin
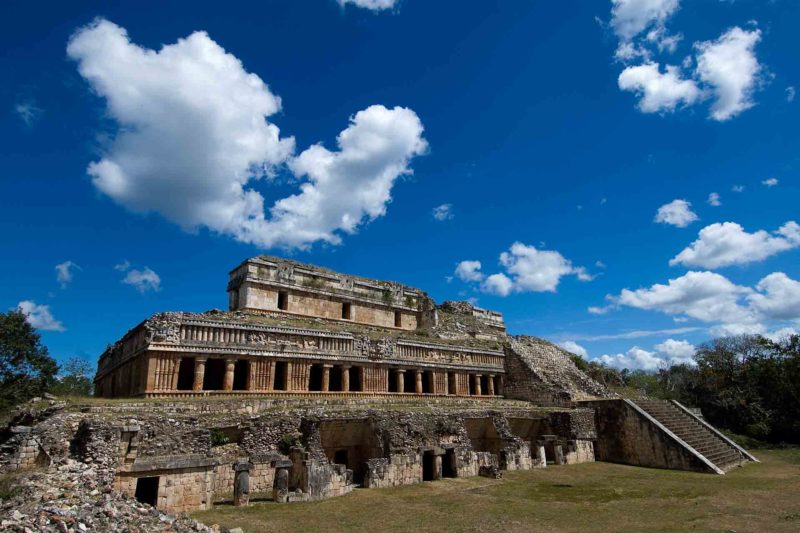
column 314, row 383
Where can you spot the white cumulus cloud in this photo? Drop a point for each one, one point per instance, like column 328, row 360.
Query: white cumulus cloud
column 730, row 67
column 194, row 137
column 727, row 243
column 705, row 296
column 143, row 280
column 771, row 182
column 634, row 359
column 574, row 347
column 373, row 5
column 629, row 18
column 469, row 271
column 498, row 284
column 659, row 91
column 677, row 213
column 677, row 352
column 39, row 316
column 778, row 297
column 713, row 200
column 64, row 272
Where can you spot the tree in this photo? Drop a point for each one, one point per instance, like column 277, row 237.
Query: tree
column 76, row 379
column 26, row 368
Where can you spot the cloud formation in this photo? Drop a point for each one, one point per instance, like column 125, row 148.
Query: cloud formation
column 373, row 5
column 144, row 280
column 730, row 68
column 727, row 243
column 676, row 213
column 712, row 298
column 39, row 316
column 726, row 69
column 629, row 18
column 669, row 352
column 194, row 137
column 574, row 347
column 659, row 91
column 469, row 271
column 443, row 212
column 64, row 272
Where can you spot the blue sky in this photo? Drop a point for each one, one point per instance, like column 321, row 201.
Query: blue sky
column 571, row 149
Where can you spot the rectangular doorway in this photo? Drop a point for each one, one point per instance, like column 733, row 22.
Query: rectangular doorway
column 147, row 490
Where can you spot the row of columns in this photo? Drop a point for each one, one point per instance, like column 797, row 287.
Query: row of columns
column 230, row 365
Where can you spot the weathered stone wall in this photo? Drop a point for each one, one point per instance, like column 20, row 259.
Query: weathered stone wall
column 397, row 469
column 625, row 435
column 579, row 451
column 179, row 489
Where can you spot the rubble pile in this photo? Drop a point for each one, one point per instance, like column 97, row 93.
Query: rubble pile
column 71, row 497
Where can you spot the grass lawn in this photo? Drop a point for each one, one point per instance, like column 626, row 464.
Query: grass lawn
column 594, row 496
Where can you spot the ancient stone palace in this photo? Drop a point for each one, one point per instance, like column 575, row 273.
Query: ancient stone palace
column 313, row 383
column 298, row 329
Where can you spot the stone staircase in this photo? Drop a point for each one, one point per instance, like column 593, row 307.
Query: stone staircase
column 723, row 453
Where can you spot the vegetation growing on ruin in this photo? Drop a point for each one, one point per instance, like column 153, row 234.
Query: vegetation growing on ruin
column 585, row 497
column 289, row 441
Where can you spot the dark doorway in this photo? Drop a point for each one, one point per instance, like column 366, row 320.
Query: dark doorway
column 283, row 301
column 280, row 376
column 355, row 379
column 347, row 311
column 340, row 458
column 484, row 385
column 410, row 381
column 451, row 383
column 427, row 382
column 393, row 377
column 315, row 378
column 398, row 319
column 215, row 374
column 241, row 374
column 147, row 490
column 186, row 373
column 471, row 379
column 336, row 379
column 449, row 463
column 428, row 466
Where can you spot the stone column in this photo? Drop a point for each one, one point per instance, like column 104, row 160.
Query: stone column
column 490, row 385
column 227, row 383
column 326, row 378
column 250, row 371
column 400, row 377
column 419, row 381
column 541, row 457
column 280, row 491
column 558, row 452
column 477, row 380
column 500, row 385
column 199, row 373
column 346, row 379
column 289, row 381
column 241, row 484
column 437, row 467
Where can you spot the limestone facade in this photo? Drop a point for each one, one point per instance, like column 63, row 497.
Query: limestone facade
column 265, row 346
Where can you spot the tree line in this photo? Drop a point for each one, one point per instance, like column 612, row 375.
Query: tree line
column 748, row 385
column 27, row 370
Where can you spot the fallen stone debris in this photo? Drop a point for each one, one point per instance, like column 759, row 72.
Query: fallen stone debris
column 71, row 497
